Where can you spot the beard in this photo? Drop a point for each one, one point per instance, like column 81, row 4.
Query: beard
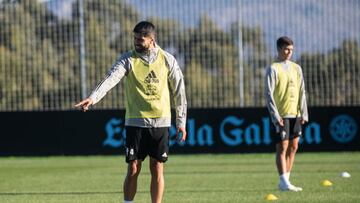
column 140, row 48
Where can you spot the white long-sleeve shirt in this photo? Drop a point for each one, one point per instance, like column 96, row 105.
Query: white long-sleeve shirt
column 271, row 79
column 123, row 66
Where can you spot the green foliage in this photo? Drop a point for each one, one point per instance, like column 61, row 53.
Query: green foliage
column 336, row 72
column 198, row 88
column 108, row 33
column 215, row 74
column 40, row 62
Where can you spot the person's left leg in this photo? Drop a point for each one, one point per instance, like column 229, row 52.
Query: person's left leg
column 290, row 157
column 290, row 154
column 158, row 152
column 157, row 180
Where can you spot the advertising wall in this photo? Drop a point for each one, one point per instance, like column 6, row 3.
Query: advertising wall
column 245, row 130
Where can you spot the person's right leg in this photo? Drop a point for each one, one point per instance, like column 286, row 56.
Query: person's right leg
column 281, row 149
column 135, row 154
column 281, row 163
column 130, row 182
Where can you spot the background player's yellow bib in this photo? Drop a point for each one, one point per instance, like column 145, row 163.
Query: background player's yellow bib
column 146, row 88
column 287, row 90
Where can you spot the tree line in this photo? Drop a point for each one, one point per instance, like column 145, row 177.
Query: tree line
column 39, row 58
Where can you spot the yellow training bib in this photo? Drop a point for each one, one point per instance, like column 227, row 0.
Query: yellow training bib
column 287, row 89
column 146, row 88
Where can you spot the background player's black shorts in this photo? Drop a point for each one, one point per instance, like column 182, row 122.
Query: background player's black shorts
column 290, row 130
column 141, row 142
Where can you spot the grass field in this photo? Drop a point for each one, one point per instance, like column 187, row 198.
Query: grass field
column 188, row 178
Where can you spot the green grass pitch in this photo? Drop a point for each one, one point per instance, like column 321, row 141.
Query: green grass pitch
column 188, row 178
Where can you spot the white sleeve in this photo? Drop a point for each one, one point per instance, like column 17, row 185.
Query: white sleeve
column 116, row 73
column 177, row 90
column 270, row 81
column 303, row 102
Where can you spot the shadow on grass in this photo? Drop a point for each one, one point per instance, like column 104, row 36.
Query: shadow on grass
column 217, row 190
column 57, row 193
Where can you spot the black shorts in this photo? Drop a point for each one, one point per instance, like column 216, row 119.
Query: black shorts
column 141, row 142
column 290, row 130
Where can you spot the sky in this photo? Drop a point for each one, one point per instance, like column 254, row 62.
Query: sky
column 61, row 8
column 314, row 25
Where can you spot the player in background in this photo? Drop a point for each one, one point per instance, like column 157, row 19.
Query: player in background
column 152, row 79
column 286, row 102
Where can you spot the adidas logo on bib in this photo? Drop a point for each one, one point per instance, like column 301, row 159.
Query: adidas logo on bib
column 151, row 78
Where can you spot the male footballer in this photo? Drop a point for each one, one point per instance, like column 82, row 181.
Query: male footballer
column 286, row 102
column 152, row 79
